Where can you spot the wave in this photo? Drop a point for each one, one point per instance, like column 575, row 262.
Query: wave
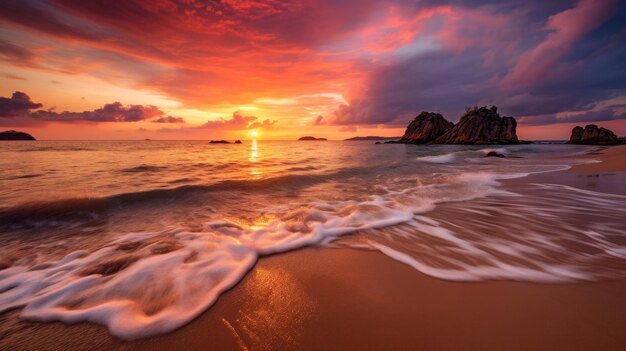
column 57, row 212
column 554, row 233
column 143, row 284
column 55, row 148
column 500, row 150
column 445, row 158
column 144, row 168
column 24, row 176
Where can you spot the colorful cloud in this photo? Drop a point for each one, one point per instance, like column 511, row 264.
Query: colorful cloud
column 359, row 64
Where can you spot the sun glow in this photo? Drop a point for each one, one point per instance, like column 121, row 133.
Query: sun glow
column 253, row 133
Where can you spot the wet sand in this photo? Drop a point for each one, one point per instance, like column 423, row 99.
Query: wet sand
column 605, row 173
column 613, row 159
column 328, row 298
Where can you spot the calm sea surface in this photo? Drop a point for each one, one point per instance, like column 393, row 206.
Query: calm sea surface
column 142, row 236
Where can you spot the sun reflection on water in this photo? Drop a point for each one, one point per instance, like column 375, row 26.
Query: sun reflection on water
column 254, row 151
column 254, row 157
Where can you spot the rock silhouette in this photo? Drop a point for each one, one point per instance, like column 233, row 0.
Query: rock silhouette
column 481, row 125
column 310, row 138
column 15, row 135
column 478, row 125
column 593, row 135
column 425, row 128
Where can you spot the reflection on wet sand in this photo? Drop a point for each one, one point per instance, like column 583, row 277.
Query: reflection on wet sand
column 275, row 310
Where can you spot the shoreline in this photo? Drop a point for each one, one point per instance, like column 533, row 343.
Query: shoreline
column 315, row 298
column 607, row 172
column 612, row 159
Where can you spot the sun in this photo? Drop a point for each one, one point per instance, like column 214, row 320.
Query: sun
column 253, row 133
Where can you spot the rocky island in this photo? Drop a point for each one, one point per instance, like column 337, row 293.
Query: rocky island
column 426, row 128
column 478, row 125
column 15, row 135
column 310, row 138
column 370, row 138
column 594, row 135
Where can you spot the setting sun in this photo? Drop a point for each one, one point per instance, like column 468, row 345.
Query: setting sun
column 253, row 133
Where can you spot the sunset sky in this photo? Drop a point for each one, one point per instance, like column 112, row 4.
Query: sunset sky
column 76, row 69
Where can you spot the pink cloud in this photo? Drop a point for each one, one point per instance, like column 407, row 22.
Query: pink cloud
column 238, row 121
column 319, row 120
column 13, row 76
column 169, row 119
column 566, row 28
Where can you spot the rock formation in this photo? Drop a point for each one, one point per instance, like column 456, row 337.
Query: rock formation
column 309, row 138
column 218, row 142
column 15, row 135
column 593, row 135
column 481, row 125
column 494, row 154
column 238, row 142
column 577, row 135
column 370, row 137
column 425, row 128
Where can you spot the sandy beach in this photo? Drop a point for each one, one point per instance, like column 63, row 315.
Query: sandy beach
column 336, row 298
column 613, row 159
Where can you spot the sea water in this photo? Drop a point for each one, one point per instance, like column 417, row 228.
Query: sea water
column 143, row 236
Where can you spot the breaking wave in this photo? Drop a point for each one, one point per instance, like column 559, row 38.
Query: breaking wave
column 452, row 224
column 143, row 284
column 445, row 158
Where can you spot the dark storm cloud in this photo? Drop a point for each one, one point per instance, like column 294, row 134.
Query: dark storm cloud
column 17, row 110
column 606, row 114
column 115, row 112
column 18, row 105
column 438, row 81
column 571, row 60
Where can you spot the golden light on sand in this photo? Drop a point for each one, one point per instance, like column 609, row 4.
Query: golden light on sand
column 253, row 133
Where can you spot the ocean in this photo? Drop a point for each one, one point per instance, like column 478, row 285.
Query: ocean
column 143, row 236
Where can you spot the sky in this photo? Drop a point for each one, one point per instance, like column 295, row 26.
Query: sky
column 196, row 69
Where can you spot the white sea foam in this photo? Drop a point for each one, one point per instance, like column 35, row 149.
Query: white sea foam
column 501, row 271
column 155, row 294
column 556, row 234
column 445, row 158
column 500, row 150
column 143, row 284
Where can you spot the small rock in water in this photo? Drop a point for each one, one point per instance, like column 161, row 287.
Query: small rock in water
column 238, row 142
column 218, row 142
column 494, row 154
